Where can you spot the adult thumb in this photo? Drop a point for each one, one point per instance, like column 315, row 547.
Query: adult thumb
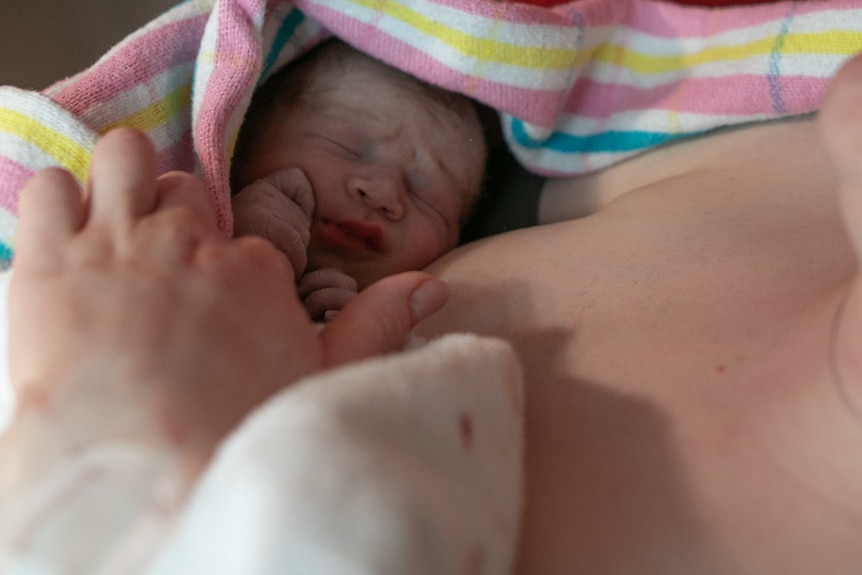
column 378, row 320
column 840, row 123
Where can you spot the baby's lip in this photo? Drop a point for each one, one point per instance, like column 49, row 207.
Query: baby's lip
column 355, row 234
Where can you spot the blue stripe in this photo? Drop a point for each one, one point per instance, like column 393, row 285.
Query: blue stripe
column 285, row 32
column 613, row 141
column 773, row 76
column 5, row 256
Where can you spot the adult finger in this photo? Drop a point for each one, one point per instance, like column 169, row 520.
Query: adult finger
column 181, row 189
column 122, row 177
column 378, row 320
column 51, row 211
column 840, row 124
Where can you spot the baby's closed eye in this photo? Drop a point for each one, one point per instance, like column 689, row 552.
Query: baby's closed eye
column 435, row 194
column 340, row 146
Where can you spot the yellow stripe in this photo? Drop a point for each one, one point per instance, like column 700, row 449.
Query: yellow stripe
column 480, row 48
column 831, row 43
column 815, row 43
column 156, row 114
column 67, row 152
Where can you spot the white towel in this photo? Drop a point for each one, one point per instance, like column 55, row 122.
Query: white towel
column 408, row 464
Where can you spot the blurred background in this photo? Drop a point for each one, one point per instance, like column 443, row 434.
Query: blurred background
column 42, row 41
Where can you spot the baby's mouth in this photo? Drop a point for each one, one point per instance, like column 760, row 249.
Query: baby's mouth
column 353, row 235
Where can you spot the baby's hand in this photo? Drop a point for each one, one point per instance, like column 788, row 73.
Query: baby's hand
column 325, row 291
column 278, row 208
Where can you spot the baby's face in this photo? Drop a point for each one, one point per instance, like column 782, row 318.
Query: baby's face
column 393, row 171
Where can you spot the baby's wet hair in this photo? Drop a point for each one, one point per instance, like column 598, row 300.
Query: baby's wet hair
column 291, row 84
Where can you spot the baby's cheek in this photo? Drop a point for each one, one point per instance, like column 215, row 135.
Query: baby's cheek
column 420, row 252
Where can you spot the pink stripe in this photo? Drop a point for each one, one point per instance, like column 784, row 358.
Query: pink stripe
column 234, row 75
column 531, row 105
column 741, row 94
column 654, row 17
column 515, row 12
column 676, row 21
column 672, row 20
column 746, row 16
column 657, row 17
column 178, row 156
column 13, row 177
column 132, row 64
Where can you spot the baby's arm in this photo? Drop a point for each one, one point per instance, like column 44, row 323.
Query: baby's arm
column 280, row 208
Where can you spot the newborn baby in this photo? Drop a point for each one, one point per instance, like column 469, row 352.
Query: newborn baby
column 355, row 171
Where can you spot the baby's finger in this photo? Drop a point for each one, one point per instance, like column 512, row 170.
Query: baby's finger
column 329, row 299
column 325, row 278
column 51, row 211
column 378, row 320
column 122, row 177
column 181, row 189
column 325, row 290
column 294, row 184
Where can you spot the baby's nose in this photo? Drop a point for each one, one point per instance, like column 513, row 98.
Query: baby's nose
column 381, row 190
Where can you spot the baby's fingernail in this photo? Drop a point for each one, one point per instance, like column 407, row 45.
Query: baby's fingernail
column 330, row 315
column 428, row 298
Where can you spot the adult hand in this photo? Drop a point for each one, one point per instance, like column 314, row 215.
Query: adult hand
column 840, row 125
column 127, row 300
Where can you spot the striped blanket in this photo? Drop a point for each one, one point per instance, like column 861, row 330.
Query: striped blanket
column 578, row 86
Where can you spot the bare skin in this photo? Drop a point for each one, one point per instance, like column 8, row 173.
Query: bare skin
column 150, row 306
column 693, row 406
column 682, row 412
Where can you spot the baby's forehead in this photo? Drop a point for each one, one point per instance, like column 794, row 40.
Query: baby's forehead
column 328, row 71
column 374, row 90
